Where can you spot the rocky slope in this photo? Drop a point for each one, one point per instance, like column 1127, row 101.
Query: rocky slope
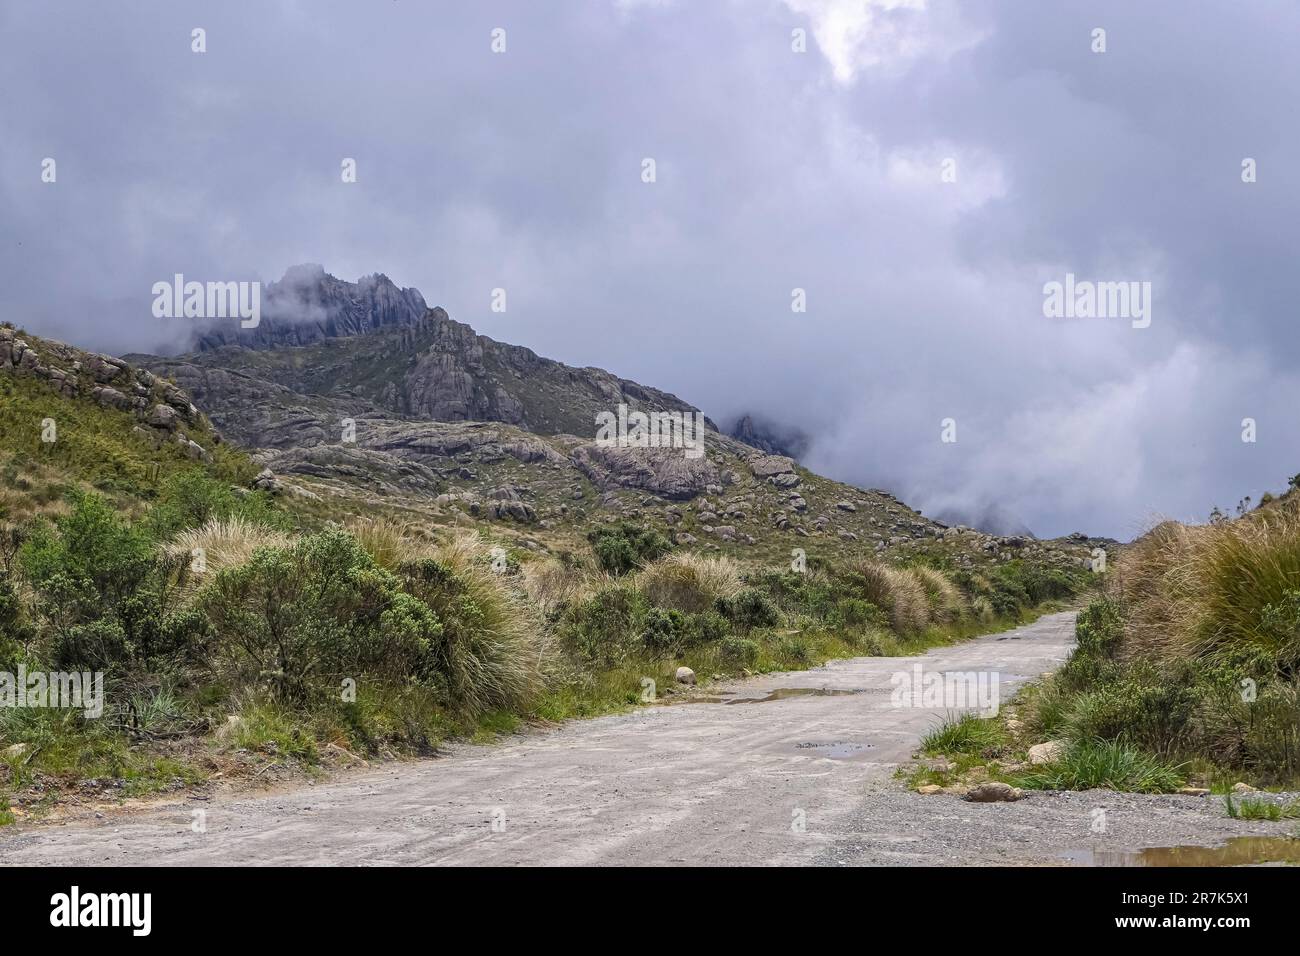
column 162, row 413
column 421, row 417
column 368, row 347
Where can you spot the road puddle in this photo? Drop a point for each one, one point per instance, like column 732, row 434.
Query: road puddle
column 781, row 693
column 837, row 750
column 785, row 693
column 1238, row 851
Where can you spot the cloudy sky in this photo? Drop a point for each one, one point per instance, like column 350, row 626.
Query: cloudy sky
column 775, row 170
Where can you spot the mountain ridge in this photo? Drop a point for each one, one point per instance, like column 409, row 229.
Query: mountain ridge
column 423, row 419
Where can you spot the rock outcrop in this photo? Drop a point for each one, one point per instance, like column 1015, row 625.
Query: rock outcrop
column 162, row 410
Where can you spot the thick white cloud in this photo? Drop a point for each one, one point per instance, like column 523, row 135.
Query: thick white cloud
column 776, row 170
column 856, row 35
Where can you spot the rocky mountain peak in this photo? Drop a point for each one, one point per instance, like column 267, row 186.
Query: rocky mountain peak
column 308, row 305
column 769, row 437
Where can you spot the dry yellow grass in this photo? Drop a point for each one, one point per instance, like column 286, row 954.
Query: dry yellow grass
column 898, row 592
column 1156, row 583
column 945, row 598
column 221, row 543
column 689, row 582
column 1205, row 590
column 389, row 542
column 551, row 584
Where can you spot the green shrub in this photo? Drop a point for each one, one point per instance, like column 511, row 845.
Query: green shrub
column 15, row 632
column 795, row 593
column 855, row 612
column 1143, row 710
column 604, row 630
column 739, row 652
column 1048, row 584
column 707, row 627
column 663, row 631
column 191, row 499
column 318, row 612
column 749, row 609
column 1270, row 740
column 1008, row 595
column 1099, row 628
column 794, row 649
column 104, row 592
column 625, row 547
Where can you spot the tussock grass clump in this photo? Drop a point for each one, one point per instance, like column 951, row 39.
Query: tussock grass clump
column 913, row 598
column 492, row 648
column 966, row 733
column 1226, row 592
column 388, row 542
column 224, row 543
column 944, row 598
column 689, row 582
column 1105, row 764
column 1194, row 651
column 896, row 591
column 553, row 584
column 1247, row 591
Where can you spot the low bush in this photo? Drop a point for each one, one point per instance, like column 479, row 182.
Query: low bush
column 622, row 548
column 739, row 652
column 605, row 630
column 749, row 608
column 315, row 614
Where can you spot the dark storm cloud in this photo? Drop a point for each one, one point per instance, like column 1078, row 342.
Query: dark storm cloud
column 775, row 171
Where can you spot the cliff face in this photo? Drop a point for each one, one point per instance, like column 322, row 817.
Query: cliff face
column 309, row 305
column 371, row 347
column 768, row 437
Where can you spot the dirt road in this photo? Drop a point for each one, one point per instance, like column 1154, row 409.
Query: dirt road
column 767, row 779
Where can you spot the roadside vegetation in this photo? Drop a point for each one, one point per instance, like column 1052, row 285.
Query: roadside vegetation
column 1187, row 672
column 235, row 637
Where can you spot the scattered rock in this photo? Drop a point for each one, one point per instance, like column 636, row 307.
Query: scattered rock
column 14, row 751
column 771, row 465
column 1240, row 787
column 1194, row 791
column 110, row 397
column 162, row 416
column 686, row 676
column 1048, row 752
column 929, row 789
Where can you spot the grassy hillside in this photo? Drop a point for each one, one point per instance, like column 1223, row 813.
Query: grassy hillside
column 52, row 442
column 1187, row 671
column 249, row 627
